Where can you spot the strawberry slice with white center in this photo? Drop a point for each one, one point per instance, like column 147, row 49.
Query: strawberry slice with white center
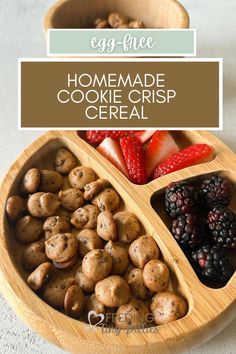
column 192, row 155
column 160, row 148
column 110, row 148
column 144, row 135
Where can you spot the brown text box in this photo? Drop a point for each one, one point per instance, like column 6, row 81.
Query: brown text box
column 195, row 105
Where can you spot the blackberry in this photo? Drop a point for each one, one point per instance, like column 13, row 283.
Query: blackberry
column 215, row 190
column 179, row 199
column 188, row 230
column 222, row 223
column 212, row 263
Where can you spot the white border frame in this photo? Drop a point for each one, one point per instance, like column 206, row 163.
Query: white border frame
column 121, row 55
column 218, row 60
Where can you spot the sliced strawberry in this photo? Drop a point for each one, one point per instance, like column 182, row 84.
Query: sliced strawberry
column 110, row 148
column 192, row 155
column 134, row 158
column 160, row 147
column 95, row 137
column 144, row 135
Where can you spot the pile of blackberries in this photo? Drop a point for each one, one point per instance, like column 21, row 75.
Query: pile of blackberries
column 203, row 225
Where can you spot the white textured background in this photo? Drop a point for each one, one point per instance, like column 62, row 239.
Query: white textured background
column 21, row 35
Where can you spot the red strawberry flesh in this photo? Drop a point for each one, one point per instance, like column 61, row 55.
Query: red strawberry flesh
column 159, row 148
column 134, row 158
column 192, row 155
column 95, row 137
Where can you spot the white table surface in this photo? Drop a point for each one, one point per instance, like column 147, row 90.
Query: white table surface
column 21, row 35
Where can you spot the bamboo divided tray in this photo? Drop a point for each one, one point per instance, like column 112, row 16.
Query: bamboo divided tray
column 210, row 310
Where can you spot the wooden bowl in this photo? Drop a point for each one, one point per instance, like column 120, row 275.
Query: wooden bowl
column 82, row 13
column 210, row 310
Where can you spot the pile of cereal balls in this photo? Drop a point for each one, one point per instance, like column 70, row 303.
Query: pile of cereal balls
column 83, row 253
column 117, row 21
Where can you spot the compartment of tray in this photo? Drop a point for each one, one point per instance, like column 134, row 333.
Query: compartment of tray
column 43, row 158
column 157, row 202
column 182, row 138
